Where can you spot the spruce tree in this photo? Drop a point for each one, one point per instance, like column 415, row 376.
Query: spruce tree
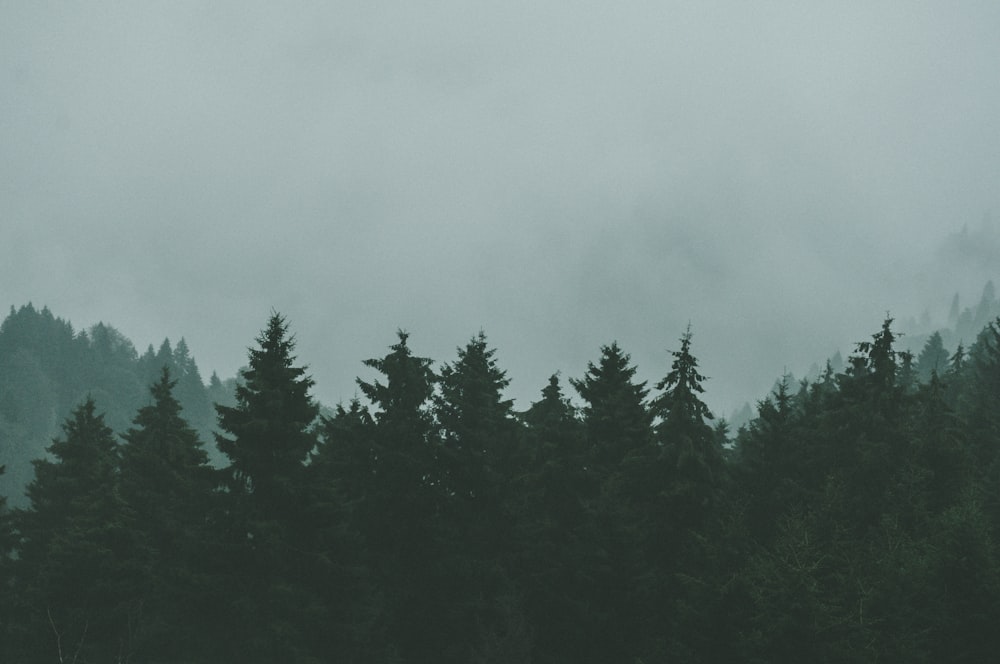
column 166, row 482
column 267, row 434
column 6, row 547
column 615, row 415
column 556, row 546
column 400, row 515
column 76, row 584
column 618, row 433
column 265, row 550
column 932, row 358
column 339, row 478
column 476, row 424
column 684, row 537
column 480, row 451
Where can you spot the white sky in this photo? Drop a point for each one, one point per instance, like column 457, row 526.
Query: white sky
column 559, row 174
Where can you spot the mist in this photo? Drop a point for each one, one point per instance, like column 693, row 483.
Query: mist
column 559, row 176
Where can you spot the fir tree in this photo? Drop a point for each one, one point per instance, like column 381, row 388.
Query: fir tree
column 684, row 532
column 6, row 546
column 399, row 516
column 267, row 433
column 476, row 422
column 480, row 453
column 933, row 357
column 615, row 416
column 266, row 548
column 75, row 582
column 166, row 482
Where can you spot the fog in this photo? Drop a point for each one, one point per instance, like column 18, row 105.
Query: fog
column 558, row 174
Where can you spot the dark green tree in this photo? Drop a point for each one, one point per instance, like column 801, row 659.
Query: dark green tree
column 265, row 548
column 167, row 484
column 933, row 357
column 476, row 423
column 400, row 516
column 684, row 540
column 75, row 580
column 558, row 555
column 267, row 435
column 480, row 454
column 6, row 547
column 615, row 417
column 340, row 477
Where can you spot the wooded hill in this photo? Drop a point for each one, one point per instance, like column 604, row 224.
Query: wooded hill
column 854, row 519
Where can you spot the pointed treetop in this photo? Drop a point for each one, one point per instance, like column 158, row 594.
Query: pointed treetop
column 409, row 382
column 679, row 403
column 472, row 389
column 879, row 355
column 270, row 424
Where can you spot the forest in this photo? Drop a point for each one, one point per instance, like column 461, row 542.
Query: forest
column 854, row 518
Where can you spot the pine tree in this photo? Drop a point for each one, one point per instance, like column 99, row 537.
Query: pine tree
column 481, row 454
column 265, row 549
column 339, row 480
column 615, row 415
column 190, row 389
column 933, row 357
column 476, row 423
column 556, row 542
column 6, row 547
column 75, row 581
column 166, row 482
column 400, row 515
column 267, row 433
column 618, row 433
column 684, row 536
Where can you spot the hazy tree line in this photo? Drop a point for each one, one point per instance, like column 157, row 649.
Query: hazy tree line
column 853, row 519
column 47, row 369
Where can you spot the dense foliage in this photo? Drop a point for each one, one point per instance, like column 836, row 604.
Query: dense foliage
column 854, row 518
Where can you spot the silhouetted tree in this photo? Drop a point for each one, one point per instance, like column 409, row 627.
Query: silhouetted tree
column 166, row 482
column 399, row 515
column 933, row 357
column 75, row 580
column 264, row 512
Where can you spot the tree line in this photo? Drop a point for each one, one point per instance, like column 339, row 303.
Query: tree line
column 853, row 519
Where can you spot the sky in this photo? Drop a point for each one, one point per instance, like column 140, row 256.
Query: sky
column 558, row 174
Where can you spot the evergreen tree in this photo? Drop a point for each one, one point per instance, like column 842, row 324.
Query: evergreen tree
column 267, row 435
column 346, row 454
column 686, row 512
column 558, row 543
column 615, row 416
column 6, row 546
column 617, row 428
column 339, row 478
column 400, row 513
column 266, row 548
column 75, row 582
column 480, row 452
column 933, row 357
column 190, row 390
column 479, row 435
column 166, row 482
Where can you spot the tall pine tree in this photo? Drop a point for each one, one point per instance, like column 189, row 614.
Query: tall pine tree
column 166, row 482
column 76, row 581
column 267, row 547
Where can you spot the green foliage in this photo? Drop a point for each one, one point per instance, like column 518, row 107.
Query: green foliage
column 264, row 534
column 616, row 419
column 76, row 579
column 267, row 434
column 166, row 483
column 854, row 519
column 47, row 369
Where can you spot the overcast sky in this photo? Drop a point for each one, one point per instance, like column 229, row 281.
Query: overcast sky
column 559, row 174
